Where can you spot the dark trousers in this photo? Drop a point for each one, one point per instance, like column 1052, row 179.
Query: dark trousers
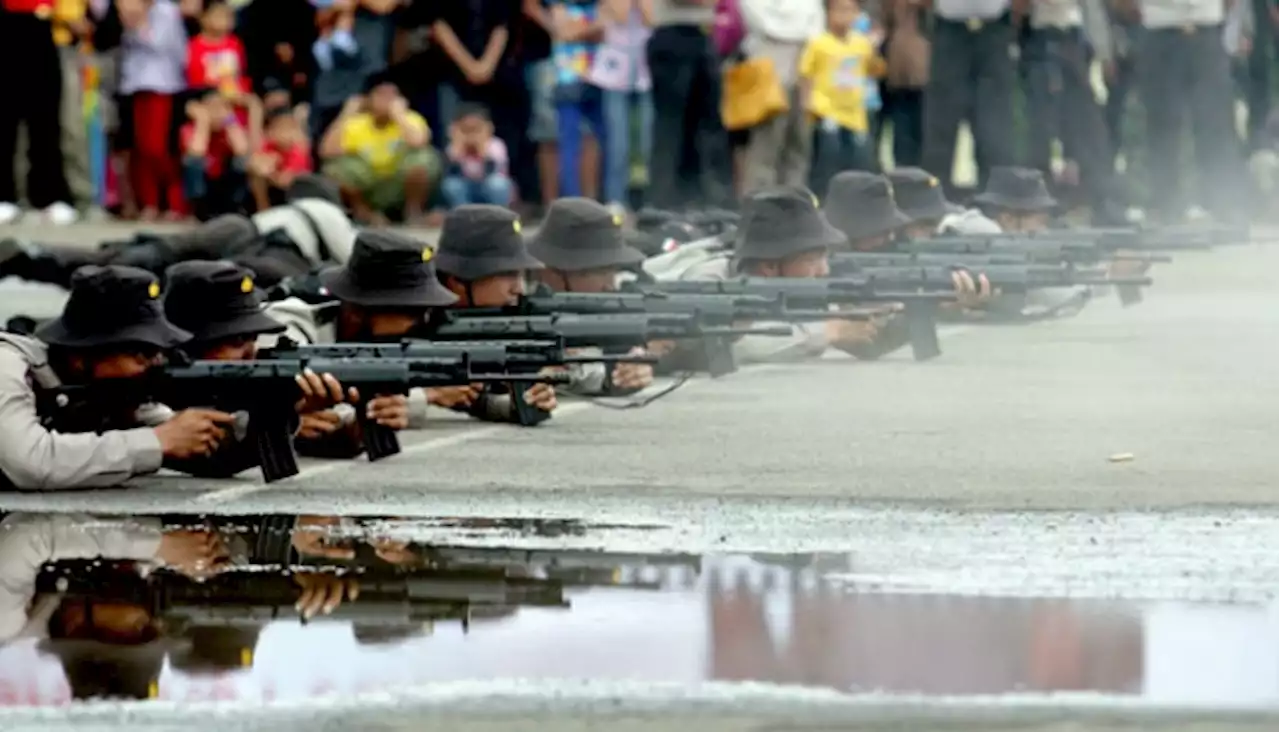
column 1258, row 80
column 690, row 161
column 1119, row 87
column 837, row 150
column 1185, row 73
column 971, row 77
column 1061, row 105
column 31, row 94
column 209, row 196
column 904, row 111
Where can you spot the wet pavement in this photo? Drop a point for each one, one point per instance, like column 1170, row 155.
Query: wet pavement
column 822, row 546
column 313, row 607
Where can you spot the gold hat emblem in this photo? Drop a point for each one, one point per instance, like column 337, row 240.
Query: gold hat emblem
column 933, row 182
column 246, row 657
column 246, row 285
column 427, row 254
column 153, row 290
column 515, row 226
column 617, row 219
column 153, row 690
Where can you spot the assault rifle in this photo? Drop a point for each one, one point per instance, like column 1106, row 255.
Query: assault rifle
column 919, row 298
column 1048, row 248
column 515, row 357
column 1009, row 278
column 267, row 392
column 398, row 597
column 613, row 333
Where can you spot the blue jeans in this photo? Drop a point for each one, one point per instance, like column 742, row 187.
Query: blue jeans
column 587, row 106
column 838, row 150
column 213, row 196
column 618, row 106
column 494, row 189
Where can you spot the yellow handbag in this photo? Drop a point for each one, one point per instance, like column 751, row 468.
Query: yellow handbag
column 752, row 94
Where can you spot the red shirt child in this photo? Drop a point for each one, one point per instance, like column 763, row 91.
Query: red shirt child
column 216, row 58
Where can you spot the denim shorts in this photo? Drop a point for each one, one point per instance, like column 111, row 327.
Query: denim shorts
column 540, row 77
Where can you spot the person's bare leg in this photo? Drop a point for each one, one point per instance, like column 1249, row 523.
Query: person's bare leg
column 360, row 209
column 417, row 191
column 549, row 172
column 260, row 189
column 589, row 173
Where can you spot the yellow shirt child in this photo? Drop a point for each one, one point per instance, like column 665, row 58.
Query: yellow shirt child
column 382, row 147
column 836, row 69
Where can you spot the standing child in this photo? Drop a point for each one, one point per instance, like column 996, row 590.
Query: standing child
column 216, row 58
column 152, row 71
column 621, row 70
column 577, row 34
column 835, row 68
column 477, row 170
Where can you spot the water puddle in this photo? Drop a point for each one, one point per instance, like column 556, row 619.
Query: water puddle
column 84, row 613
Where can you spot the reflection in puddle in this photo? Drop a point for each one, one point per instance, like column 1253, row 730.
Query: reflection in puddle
column 307, row 606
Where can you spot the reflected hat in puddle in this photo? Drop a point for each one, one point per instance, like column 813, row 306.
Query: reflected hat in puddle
column 97, row 670
column 215, row 648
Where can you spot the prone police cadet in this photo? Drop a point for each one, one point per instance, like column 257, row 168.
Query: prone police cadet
column 584, row 248
column 219, row 305
column 385, row 293
column 1018, row 200
column 481, row 258
column 111, row 328
column 310, row 230
column 920, row 196
column 782, row 234
column 864, row 208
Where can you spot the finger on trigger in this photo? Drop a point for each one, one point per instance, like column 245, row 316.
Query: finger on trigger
column 335, row 388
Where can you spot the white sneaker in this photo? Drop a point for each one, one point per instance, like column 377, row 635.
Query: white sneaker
column 9, row 213
column 61, row 214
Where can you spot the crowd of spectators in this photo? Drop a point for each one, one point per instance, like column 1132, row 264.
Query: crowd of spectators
column 170, row 109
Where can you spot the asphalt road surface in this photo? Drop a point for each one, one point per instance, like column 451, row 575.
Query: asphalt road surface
column 1124, row 453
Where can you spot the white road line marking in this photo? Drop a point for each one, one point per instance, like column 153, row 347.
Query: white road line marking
column 224, row 495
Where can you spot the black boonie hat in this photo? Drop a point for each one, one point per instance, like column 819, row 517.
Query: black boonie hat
column 919, row 195
column 1016, row 189
column 482, row 240
column 579, row 234
column 97, row 670
column 861, row 204
column 216, row 648
column 311, row 185
column 782, row 221
column 111, row 306
column 388, row 270
column 215, row 300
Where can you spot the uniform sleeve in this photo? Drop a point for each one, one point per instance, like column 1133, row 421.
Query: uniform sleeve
column 586, row 379
column 29, row 541
column 299, row 321
column 35, row 458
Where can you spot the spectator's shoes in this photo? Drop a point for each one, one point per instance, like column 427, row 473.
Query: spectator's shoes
column 61, row 214
column 9, row 213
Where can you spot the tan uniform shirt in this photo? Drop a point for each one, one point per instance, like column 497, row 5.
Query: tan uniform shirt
column 35, row 458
